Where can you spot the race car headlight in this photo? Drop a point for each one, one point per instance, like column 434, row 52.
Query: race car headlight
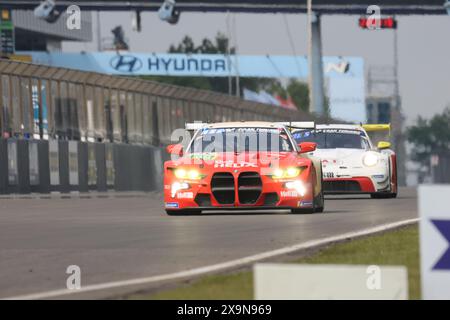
column 278, row 173
column 288, row 173
column 298, row 186
column 180, row 173
column 187, row 174
column 370, row 159
column 292, row 172
column 193, row 174
column 177, row 186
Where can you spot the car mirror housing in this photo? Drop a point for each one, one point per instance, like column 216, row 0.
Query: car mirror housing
column 175, row 149
column 383, row 145
column 306, row 147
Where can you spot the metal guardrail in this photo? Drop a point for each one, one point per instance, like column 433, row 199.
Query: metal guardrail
column 44, row 102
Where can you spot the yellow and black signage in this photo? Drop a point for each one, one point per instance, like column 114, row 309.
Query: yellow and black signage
column 7, row 44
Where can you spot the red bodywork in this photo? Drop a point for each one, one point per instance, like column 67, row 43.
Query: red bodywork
column 394, row 185
column 273, row 192
column 365, row 184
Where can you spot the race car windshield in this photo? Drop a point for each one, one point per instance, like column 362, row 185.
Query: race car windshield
column 332, row 139
column 241, row 140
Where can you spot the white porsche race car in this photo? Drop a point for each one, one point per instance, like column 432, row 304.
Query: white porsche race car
column 350, row 162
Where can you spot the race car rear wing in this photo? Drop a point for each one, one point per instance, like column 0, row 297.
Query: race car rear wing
column 377, row 127
column 298, row 124
column 193, row 126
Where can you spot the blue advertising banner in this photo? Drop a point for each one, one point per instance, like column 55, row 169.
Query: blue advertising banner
column 209, row 65
column 344, row 75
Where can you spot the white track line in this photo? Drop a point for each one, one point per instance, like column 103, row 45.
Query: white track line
column 216, row 267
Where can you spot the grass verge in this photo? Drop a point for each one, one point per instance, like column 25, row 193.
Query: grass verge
column 399, row 247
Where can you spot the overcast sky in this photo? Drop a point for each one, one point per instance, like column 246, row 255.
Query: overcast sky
column 424, row 45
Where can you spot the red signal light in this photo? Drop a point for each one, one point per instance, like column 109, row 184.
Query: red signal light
column 383, row 23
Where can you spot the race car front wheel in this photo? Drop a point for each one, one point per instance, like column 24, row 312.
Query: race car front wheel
column 320, row 201
column 393, row 192
column 318, row 204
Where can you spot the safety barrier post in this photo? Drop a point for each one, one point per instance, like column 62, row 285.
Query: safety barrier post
column 101, row 167
column 83, row 167
column 3, row 166
column 44, row 167
column 64, row 178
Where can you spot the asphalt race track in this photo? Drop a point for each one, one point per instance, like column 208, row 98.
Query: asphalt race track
column 122, row 238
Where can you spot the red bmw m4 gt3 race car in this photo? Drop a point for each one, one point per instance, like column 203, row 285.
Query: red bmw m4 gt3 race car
column 242, row 165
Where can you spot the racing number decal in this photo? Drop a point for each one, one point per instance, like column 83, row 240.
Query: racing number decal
column 328, row 175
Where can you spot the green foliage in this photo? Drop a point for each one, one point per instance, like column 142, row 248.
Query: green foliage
column 430, row 137
column 299, row 93
column 187, row 45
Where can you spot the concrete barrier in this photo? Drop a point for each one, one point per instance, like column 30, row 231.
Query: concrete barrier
column 40, row 166
column 159, row 156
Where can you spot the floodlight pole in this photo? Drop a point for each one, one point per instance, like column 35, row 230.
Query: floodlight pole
column 315, row 79
column 238, row 86
column 230, row 83
column 99, row 33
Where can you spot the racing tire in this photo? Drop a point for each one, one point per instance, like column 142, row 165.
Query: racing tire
column 394, row 194
column 320, row 202
column 319, row 209
column 186, row 212
column 386, row 195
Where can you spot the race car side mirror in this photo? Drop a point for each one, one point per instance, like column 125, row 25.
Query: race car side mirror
column 307, row 147
column 383, row 145
column 175, row 149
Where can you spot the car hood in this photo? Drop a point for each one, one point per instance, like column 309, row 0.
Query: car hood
column 339, row 154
